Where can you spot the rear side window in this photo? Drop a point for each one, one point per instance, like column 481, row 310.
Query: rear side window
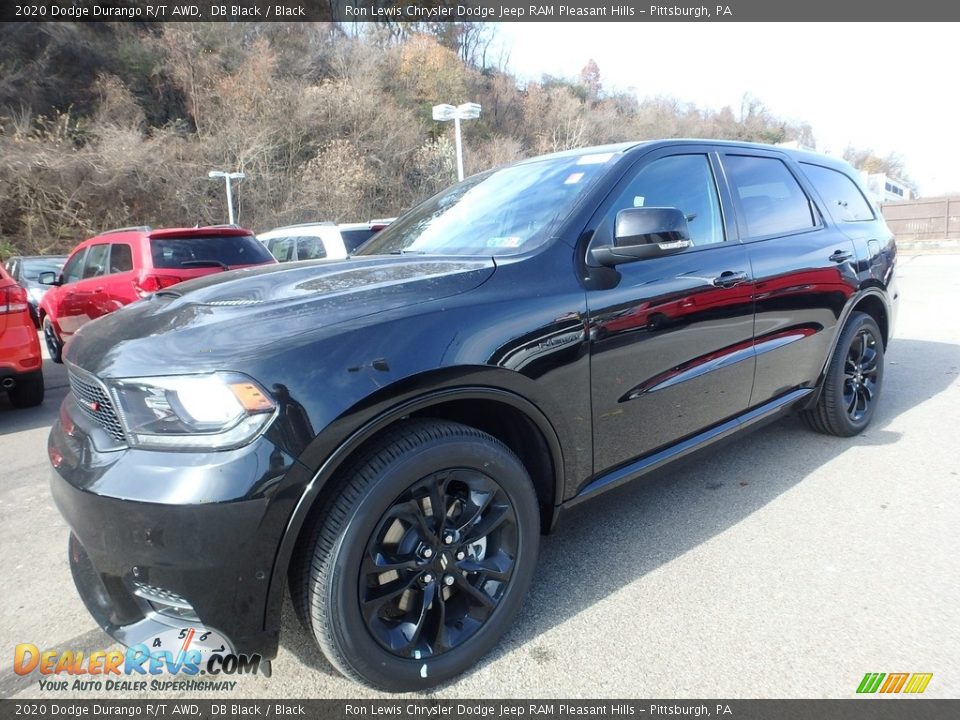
column 310, row 248
column 199, row 252
column 771, row 200
column 840, row 193
column 121, row 258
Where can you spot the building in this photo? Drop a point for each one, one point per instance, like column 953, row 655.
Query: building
column 882, row 188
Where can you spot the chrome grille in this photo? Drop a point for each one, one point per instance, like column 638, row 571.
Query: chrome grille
column 93, row 401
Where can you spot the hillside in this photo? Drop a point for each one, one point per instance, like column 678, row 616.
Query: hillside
column 106, row 125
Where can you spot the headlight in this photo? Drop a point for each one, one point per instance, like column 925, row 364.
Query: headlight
column 219, row 411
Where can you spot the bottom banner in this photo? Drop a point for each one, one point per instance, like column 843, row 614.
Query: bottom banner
column 873, row 709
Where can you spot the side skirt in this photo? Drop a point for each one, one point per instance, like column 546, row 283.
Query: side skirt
column 638, row 468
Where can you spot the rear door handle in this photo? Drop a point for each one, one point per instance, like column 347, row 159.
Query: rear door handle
column 729, row 279
column 840, row 256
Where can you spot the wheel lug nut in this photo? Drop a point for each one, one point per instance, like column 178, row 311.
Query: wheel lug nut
column 427, row 552
column 461, row 555
column 427, row 578
column 448, row 580
column 448, row 539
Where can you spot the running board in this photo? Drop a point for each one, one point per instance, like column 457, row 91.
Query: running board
column 627, row 473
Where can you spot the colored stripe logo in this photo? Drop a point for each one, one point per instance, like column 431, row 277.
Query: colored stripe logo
column 884, row 683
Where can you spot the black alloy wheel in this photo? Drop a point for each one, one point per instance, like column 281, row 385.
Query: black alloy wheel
column 853, row 379
column 438, row 563
column 860, row 374
column 420, row 557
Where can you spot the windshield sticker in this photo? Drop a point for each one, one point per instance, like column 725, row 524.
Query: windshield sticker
column 573, row 179
column 510, row 241
column 638, row 200
column 595, row 159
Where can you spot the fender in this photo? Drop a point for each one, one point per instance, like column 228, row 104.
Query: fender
column 871, row 291
column 320, row 477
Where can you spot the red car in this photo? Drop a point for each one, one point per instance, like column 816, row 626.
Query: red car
column 118, row 267
column 21, row 364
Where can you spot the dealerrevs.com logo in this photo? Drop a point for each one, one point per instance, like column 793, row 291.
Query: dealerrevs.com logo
column 184, row 653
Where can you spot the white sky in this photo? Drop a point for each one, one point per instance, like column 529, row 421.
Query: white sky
column 890, row 87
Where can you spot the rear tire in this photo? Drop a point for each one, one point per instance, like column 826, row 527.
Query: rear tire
column 53, row 342
column 851, row 387
column 414, row 570
column 28, row 392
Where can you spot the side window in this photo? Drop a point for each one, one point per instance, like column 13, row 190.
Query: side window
column 840, row 193
column 121, row 258
column 770, row 198
column 310, row 248
column 684, row 182
column 73, row 269
column 281, row 248
column 96, row 262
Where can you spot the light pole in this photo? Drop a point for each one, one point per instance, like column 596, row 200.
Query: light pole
column 228, row 176
column 467, row 111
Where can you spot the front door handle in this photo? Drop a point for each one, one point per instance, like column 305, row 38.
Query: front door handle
column 840, row 256
column 729, row 279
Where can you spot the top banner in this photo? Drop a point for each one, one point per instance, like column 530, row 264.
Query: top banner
column 394, row 11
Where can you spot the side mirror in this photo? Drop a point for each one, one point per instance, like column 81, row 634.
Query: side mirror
column 642, row 233
column 48, row 278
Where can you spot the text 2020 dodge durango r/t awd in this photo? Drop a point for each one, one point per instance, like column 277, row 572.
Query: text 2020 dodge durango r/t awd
column 390, row 434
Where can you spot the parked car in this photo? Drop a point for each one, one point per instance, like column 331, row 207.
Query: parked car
column 390, row 434
column 315, row 241
column 21, row 364
column 308, row 241
column 356, row 234
column 118, row 267
column 25, row 270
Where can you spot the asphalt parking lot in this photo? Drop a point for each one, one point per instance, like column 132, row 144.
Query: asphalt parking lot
column 785, row 564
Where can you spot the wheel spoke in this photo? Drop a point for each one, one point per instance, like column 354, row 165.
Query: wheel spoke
column 476, row 511
column 863, row 346
column 412, row 513
column 428, row 595
column 388, row 594
column 852, row 405
column 439, row 636
column 495, row 516
column 379, row 563
column 496, row 568
column 476, row 596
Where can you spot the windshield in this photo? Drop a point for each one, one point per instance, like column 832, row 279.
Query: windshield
column 502, row 212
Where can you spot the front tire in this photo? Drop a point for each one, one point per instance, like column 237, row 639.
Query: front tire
column 851, row 387
column 417, row 567
column 53, row 342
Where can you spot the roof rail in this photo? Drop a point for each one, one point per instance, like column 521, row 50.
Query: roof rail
column 133, row 228
column 321, row 222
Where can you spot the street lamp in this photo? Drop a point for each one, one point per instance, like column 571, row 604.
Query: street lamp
column 467, row 111
column 228, row 176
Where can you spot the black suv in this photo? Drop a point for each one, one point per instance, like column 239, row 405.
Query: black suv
column 391, row 433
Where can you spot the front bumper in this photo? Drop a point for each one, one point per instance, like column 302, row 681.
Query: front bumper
column 167, row 539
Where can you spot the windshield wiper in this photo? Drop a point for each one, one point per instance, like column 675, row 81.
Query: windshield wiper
column 204, row 263
column 408, row 252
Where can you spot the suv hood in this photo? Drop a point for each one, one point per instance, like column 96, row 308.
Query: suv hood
column 217, row 321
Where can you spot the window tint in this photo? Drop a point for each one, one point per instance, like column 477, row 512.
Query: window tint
column 771, row 200
column 310, row 248
column 121, row 258
column 72, row 270
column 352, row 239
column 96, row 262
column 199, row 252
column 840, row 193
column 281, row 248
column 684, row 182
